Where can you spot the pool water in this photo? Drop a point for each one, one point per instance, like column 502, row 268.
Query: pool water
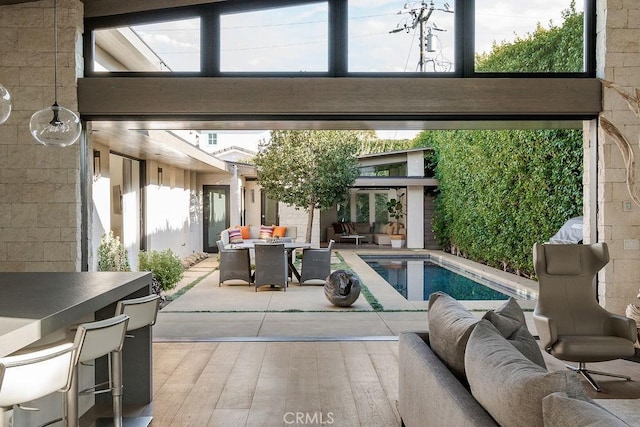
column 416, row 278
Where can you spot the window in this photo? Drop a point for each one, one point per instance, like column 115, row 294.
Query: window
column 164, row 47
column 392, row 169
column 382, row 214
column 212, row 138
column 344, row 212
column 285, row 39
column 343, row 38
column 362, row 207
column 508, row 23
column 384, row 36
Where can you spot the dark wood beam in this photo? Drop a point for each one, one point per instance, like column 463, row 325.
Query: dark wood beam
column 303, row 98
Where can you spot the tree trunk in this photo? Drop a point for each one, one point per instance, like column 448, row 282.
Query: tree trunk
column 310, row 209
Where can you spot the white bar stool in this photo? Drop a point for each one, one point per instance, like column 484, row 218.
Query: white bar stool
column 31, row 375
column 142, row 312
column 94, row 340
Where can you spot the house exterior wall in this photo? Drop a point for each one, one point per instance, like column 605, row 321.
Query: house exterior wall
column 618, row 220
column 40, row 205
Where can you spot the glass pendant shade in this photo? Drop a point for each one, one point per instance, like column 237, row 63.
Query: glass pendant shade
column 5, row 104
column 55, row 126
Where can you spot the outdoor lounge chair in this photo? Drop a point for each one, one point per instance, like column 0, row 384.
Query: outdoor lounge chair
column 272, row 267
column 234, row 264
column 316, row 263
column 571, row 324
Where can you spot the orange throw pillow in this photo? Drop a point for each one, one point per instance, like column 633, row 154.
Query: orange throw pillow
column 245, row 231
column 279, row 231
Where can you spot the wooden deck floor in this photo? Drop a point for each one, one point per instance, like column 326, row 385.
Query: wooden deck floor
column 345, row 383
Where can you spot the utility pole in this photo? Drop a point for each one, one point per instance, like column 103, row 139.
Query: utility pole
column 420, row 15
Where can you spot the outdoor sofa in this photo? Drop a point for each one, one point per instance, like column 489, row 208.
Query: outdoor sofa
column 253, row 234
column 484, row 372
column 378, row 232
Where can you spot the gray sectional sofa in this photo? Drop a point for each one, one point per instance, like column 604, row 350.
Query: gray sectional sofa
column 486, row 372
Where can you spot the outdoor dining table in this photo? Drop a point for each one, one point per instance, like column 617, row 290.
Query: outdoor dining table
column 290, row 247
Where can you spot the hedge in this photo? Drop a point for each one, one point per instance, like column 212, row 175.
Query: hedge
column 501, row 191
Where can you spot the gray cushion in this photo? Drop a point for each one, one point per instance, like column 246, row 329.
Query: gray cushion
column 560, row 410
column 450, row 325
column 511, row 310
column 507, row 384
column 509, row 321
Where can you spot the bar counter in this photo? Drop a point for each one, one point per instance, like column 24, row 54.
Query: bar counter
column 35, row 305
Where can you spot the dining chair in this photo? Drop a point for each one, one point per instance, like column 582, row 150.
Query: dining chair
column 316, row 264
column 271, row 266
column 234, row 264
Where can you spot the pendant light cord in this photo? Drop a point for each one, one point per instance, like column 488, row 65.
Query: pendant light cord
column 55, row 52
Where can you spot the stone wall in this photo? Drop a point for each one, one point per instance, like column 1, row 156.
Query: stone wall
column 618, row 223
column 39, row 186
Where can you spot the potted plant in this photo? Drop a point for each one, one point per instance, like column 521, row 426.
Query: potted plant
column 396, row 211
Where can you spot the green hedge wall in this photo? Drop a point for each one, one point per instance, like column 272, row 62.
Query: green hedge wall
column 501, row 191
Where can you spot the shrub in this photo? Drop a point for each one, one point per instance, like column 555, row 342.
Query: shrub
column 165, row 266
column 112, row 256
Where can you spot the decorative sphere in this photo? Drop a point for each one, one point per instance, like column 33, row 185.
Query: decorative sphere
column 55, row 126
column 342, row 288
column 5, row 104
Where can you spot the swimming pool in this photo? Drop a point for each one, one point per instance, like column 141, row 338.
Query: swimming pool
column 417, row 277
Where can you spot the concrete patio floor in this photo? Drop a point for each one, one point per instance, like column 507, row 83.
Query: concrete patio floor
column 236, row 312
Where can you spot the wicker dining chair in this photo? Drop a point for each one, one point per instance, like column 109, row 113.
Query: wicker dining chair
column 316, row 263
column 234, row 264
column 271, row 266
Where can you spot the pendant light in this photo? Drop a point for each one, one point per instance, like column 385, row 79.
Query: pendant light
column 5, row 104
column 55, row 126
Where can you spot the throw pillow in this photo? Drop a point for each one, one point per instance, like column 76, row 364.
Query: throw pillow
column 266, row 232
column 279, row 231
column 518, row 335
column 349, row 228
column 235, row 235
column 510, row 322
column 507, row 384
column 512, row 310
column 450, row 325
column 337, row 227
column 245, row 230
column 559, row 410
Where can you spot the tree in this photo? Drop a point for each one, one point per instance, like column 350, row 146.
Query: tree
column 309, row 169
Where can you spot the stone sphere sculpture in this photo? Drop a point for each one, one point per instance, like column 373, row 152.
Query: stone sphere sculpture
column 342, row 288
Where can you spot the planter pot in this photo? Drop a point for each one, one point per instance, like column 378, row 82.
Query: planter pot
column 397, row 241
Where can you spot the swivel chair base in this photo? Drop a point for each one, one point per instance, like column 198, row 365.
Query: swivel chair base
column 586, row 373
column 126, row 422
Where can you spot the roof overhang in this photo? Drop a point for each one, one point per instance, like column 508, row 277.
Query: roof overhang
column 394, row 181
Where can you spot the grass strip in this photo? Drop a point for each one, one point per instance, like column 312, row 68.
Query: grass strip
column 185, row 288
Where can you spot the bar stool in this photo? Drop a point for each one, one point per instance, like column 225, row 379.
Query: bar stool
column 94, row 340
column 142, row 312
column 31, row 375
